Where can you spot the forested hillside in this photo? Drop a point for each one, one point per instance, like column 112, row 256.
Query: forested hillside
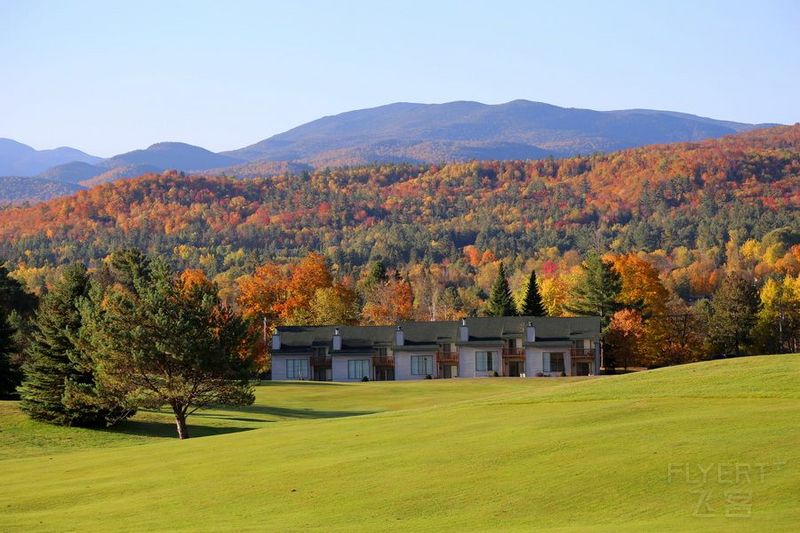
column 697, row 196
column 678, row 223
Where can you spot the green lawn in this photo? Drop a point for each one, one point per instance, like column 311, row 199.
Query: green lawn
column 619, row 453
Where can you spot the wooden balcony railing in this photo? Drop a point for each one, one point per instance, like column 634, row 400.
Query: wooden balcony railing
column 383, row 360
column 447, row 358
column 582, row 353
column 514, row 353
column 321, row 361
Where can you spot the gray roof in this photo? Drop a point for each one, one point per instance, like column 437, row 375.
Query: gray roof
column 429, row 335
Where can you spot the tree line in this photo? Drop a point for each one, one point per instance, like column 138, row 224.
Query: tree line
column 136, row 333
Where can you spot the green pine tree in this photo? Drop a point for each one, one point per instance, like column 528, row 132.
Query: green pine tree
column 532, row 303
column 733, row 315
column 8, row 378
column 599, row 294
column 501, row 303
column 58, row 379
column 13, row 296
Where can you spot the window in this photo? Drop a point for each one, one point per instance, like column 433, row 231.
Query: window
column 553, row 362
column 357, row 368
column 484, row 361
column 381, row 352
column 421, row 365
column 297, row 369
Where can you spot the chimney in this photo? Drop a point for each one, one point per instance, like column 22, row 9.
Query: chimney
column 399, row 337
column 463, row 331
column 276, row 340
column 337, row 340
column 530, row 332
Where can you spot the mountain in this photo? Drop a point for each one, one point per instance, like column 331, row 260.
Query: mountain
column 74, row 172
column 156, row 158
column 394, row 134
column 173, row 155
column 17, row 159
column 18, row 189
column 692, row 199
column 458, row 131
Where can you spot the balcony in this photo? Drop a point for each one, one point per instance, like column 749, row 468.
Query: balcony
column 514, row 354
column 585, row 354
column 383, row 361
column 447, row 358
column 321, row 361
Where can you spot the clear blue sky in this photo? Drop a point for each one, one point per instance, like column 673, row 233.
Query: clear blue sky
column 108, row 76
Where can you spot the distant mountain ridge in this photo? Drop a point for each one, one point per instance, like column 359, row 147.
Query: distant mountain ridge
column 520, row 129
column 393, row 133
column 156, row 158
column 17, row 159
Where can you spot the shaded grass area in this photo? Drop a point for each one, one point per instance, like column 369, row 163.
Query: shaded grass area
column 506, row 454
column 275, row 402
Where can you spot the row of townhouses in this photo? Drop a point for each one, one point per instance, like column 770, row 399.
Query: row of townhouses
column 472, row 347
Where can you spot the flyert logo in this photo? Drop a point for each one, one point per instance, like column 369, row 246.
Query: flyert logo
column 722, row 489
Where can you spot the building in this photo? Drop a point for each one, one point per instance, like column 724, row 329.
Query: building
column 472, row 347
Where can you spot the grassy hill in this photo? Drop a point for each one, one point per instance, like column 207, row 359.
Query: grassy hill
column 592, row 454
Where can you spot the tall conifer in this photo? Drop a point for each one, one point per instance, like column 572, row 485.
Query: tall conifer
column 599, row 294
column 7, row 373
column 500, row 301
column 58, row 379
column 532, row 304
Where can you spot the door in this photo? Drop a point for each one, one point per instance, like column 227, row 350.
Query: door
column 514, row 368
column 582, row 368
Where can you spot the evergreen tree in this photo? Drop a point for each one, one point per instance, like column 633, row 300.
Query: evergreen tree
column 13, row 296
column 58, row 382
column 733, row 315
column 16, row 308
column 600, row 292
column 375, row 275
column 500, row 301
column 8, row 378
column 532, row 303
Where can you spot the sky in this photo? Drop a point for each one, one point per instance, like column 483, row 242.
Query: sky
column 109, row 77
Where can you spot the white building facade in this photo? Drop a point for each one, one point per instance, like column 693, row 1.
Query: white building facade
column 472, row 347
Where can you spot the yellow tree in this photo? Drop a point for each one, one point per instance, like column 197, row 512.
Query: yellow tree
column 777, row 328
column 555, row 292
column 646, row 296
column 337, row 304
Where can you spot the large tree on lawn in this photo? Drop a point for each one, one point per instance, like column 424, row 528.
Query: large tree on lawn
column 167, row 340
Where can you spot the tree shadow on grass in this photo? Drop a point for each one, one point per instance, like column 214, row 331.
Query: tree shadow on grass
column 269, row 383
column 161, row 424
column 285, row 412
column 167, row 429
